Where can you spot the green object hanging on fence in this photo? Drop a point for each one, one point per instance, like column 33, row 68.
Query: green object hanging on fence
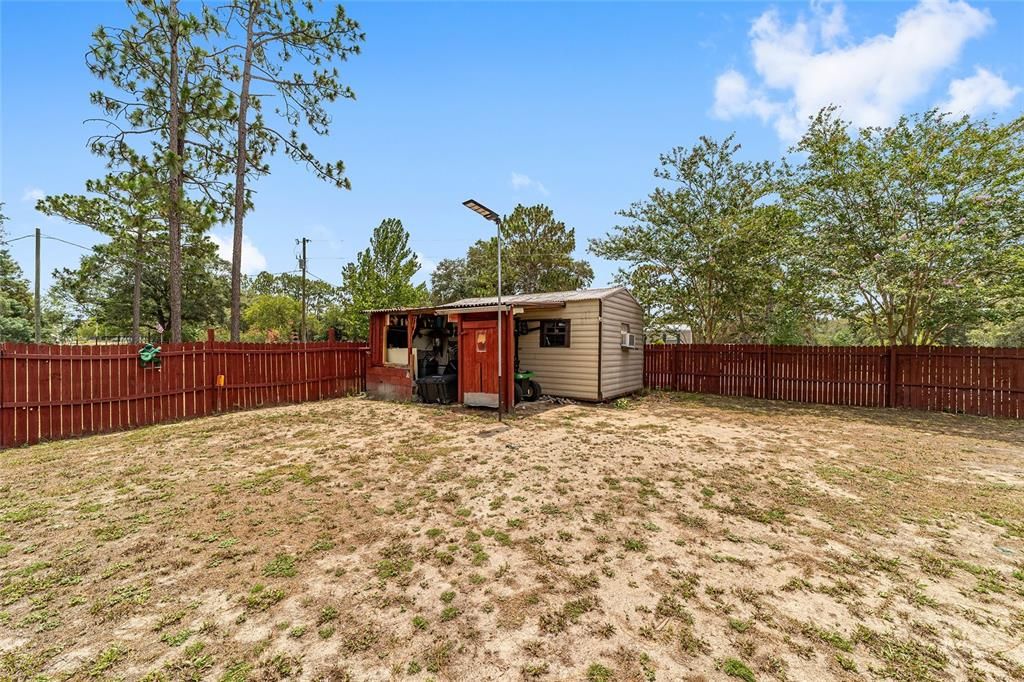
column 149, row 356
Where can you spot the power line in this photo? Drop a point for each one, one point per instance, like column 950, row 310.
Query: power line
column 24, row 236
column 319, row 278
column 65, row 241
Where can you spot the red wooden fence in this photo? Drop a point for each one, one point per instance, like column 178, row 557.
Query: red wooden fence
column 980, row 381
column 53, row 392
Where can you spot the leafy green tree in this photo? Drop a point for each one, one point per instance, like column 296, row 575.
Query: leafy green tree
column 128, row 208
column 15, row 320
column 15, row 298
column 918, row 227
column 273, row 37
column 450, row 281
column 536, row 257
column 60, row 323
column 320, row 295
column 714, row 252
column 166, row 96
column 99, row 291
column 380, row 277
column 273, row 316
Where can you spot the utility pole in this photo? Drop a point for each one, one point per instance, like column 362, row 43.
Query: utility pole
column 302, row 266
column 39, row 241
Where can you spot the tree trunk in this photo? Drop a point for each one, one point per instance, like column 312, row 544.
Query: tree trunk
column 240, row 166
column 176, row 182
column 137, row 288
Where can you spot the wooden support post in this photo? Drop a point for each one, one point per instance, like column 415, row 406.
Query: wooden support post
column 769, row 371
column 210, row 369
column 675, row 368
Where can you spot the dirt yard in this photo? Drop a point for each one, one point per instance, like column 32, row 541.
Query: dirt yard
column 667, row 538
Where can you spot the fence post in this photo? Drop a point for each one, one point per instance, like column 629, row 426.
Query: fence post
column 211, row 372
column 3, row 420
column 891, row 398
column 675, row 367
column 769, row 388
column 335, row 382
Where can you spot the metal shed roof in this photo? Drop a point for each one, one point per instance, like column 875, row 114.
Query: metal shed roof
column 551, row 298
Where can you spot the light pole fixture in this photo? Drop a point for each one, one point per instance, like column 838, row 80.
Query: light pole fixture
column 477, row 207
column 488, row 214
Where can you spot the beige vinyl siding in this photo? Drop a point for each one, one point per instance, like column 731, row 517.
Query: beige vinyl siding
column 568, row 372
column 622, row 371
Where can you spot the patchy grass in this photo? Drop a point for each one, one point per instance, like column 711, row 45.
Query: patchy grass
column 282, row 566
column 665, row 537
column 733, row 667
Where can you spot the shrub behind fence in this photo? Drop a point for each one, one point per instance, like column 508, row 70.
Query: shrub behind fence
column 980, row 381
column 53, row 392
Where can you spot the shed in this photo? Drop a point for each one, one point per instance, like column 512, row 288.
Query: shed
column 584, row 344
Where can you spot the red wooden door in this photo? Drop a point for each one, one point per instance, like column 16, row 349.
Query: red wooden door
column 478, row 363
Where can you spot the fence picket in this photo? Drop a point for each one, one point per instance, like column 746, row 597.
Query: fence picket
column 53, row 392
column 981, row 381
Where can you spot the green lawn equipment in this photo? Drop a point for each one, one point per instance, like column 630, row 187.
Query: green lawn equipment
column 526, row 388
column 149, row 356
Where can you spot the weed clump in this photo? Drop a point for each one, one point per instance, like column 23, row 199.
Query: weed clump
column 282, row 566
column 734, row 667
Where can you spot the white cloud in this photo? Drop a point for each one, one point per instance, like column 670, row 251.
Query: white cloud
column 427, row 265
column 811, row 63
column 520, row 181
column 983, row 93
column 733, row 97
column 831, row 24
column 327, row 237
column 253, row 261
column 33, row 194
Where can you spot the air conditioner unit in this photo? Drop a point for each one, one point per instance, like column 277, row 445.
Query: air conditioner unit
column 629, row 341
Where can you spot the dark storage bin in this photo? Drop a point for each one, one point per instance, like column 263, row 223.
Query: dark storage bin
column 438, row 388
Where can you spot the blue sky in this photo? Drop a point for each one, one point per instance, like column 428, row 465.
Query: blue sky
column 568, row 104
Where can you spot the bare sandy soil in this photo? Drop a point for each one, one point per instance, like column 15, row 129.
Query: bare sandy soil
column 666, row 538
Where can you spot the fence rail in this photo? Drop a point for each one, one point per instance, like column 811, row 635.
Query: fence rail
column 54, row 392
column 969, row 380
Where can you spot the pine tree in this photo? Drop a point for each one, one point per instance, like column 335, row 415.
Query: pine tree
column 273, row 38
column 167, row 96
column 15, row 299
column 536, row 253
column 128, row 208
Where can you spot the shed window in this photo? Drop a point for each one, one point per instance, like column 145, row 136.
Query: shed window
column 554, row 334
column 396, row 340
column 397, row 333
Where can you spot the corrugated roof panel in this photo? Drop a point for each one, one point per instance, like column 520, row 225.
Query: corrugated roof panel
column 521, row 299
column 551, row 297
column 400, row 310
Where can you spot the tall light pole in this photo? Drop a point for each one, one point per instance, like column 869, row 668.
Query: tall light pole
column 488, row 214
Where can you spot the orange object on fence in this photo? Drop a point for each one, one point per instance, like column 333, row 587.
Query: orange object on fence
column 53, row 392
column 969, row 380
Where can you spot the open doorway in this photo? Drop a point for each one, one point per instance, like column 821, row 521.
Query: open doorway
column 435, row 358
